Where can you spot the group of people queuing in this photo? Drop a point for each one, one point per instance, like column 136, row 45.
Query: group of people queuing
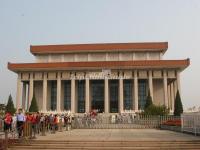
column 36, row 122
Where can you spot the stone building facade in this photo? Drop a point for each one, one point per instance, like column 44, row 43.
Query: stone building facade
column 110, row 77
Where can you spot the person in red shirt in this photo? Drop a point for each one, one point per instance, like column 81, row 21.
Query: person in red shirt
column 28, row 117
column 55, row 121
column 8, row 122
column 34, row 122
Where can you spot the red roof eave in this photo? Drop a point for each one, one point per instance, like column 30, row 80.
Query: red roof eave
column 16, row 67
column 71, row 48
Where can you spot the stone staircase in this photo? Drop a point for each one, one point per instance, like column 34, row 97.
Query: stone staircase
column 104, row 145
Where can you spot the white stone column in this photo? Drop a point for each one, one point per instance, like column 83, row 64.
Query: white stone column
column 121, row 95
column 172, row 96
column 73, row 95
column 87, row 95
column 58, row 91
column 178, row 81
column 24, row 96
column 151, row 84
column 175, row 89
column 106, row 98
column 44, row 103
column 165, row 88
column 31, row 85
column 169, row 96
column 19, row 91
column 135, row 90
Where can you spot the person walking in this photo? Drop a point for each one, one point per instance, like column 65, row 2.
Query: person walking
column 20, row 122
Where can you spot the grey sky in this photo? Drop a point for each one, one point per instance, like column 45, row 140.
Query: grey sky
column 25, row 22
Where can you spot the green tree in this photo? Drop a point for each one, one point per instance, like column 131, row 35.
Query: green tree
column 148, row 100
column 34, row 106
column 178, row 107
column 10, row 106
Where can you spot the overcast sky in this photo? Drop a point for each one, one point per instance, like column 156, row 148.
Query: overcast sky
column 25, row 22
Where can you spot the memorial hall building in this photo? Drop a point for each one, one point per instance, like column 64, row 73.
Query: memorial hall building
column 110, row 77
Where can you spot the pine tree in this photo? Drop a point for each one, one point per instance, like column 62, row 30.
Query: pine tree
column 148, row 100
column 34, row 106
column 178, row 107
column 10, row 106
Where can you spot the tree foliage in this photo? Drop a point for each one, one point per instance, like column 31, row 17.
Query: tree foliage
column 178, row 107
column 10, row 106
column 34, row 106
column 148, row 100
column 156, row 110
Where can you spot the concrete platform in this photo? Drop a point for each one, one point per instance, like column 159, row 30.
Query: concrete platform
column 118, row 135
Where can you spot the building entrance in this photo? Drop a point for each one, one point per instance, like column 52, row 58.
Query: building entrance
column 114, row 94
column 97, row 95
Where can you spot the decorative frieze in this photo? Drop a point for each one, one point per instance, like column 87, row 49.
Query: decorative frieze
column 38, row 76
column 25, row 76
column 142, row 74
column 51, row 75
column 171, row 74
column 157, row 74
column 128, row 74
column 65, row 75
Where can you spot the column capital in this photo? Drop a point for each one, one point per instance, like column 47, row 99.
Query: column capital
column 135, row 74
column 19, row 76
column 164, row 73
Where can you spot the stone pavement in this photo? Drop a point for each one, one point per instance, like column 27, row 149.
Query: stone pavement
column 118, row 135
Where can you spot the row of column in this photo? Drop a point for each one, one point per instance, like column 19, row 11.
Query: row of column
column 167, row 89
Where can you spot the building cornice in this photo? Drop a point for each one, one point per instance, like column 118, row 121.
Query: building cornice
column 139, row 64
column 100, row 47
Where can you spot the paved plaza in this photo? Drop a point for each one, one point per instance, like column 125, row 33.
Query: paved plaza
column 118, row 135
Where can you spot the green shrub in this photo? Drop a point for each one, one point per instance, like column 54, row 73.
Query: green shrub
column 178, row 107
column 148, row 100
column 34, row 106
column 10, row 106
column 156, row 110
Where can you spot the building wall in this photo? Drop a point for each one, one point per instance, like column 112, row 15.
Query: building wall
column 38, row 91
column 69, row 58
column 158, row 92
column 110, row 56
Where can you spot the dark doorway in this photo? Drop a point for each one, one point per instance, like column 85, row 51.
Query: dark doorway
column 97, row 95
column 114, row 94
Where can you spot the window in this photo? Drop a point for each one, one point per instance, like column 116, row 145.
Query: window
column 114, row 88
column 128, row 105
column 67, row 95
column 53, row 95
column 81, row 96
column 97, row 94
column 142, row 93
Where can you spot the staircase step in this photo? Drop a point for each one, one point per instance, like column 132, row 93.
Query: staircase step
column 60, row 145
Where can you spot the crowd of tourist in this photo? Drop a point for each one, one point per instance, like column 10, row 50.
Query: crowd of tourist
column 37, row 122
